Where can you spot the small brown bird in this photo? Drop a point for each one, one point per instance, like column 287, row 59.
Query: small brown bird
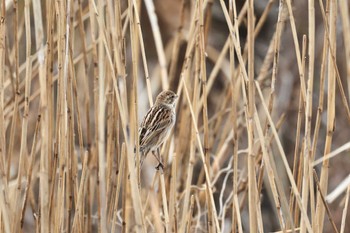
column 156, row 125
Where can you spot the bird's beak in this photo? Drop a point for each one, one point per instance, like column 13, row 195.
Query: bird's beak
column 176, row 96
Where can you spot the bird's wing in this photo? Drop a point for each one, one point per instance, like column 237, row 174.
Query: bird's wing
column 156, row 120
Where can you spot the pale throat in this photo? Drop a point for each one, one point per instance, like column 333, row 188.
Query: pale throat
column 169, row 105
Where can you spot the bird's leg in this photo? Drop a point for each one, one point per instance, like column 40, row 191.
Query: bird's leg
column 159, row 159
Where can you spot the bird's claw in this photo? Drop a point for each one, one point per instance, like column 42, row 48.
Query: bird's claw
column 160, row 165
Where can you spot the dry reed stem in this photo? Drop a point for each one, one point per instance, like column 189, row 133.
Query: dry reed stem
column 5, row 216
column 332, row 56
column 297, row 161
column 189, row 172
column 142, row 47
column 207, row 177
column 202, row 75
column 252, row 186
column 44, row 158
column 120, row 170
column 173, row 203
column 306, row 185
column 190, row 213
column 297, row 47
column 125, row 200
column 78, row 219
column 158, row 42
column 15, row 86
column 345, row 210
column 4, row 198
column 285, row 163
column 236, row 217
column 164, row 201
column 155, row 211
column 272, row 173
column 320, row 210
column 23, row 148
column 332, row 154
column 340, row 189
column 30, row 170
column 330, row 218
column 176, row 43
column 344, row 13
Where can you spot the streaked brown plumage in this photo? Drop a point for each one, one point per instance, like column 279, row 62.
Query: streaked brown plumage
column 157, row 124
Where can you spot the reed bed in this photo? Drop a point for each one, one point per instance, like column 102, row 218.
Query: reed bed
column 261, row 142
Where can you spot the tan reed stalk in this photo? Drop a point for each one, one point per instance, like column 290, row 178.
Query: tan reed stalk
column 110, row 152
column 320, row 110
column 155, row 212
column 173, row 202
column 138, row 32
column 233, row 29
column 226, row 135
column 30, row 171
column 134, row 36
column 343, row 223
column 136, row 201
column 101, row 124
column 44, row 160
column 332, row 154
column 71, row 159
column 190, row 213
column 297, row 161
column 120, row 172
column 334, row 63
column 203, row 77
column 321, row 97
column 285, row 163
column 272, row 55
column 46, row 81
column 4, row 198
column 297, row 47
column 190, row 165
column 219, row 63
column 184, row 129
column 299, row 179
column 320, row 209
column 344, row 13
column 252, row 188
column 85, row 91
column 235, row 86
column 164, row 201
column 177, row 43
column 110, row 120
column 235, row 206
column 277, row 45
column 207, row 177
column 330, row 218
column 307, row 136
column 23, row 148
column 72, row 182
column 263, row 17
column 272, row 173
column 59, row 206
column 16, row 91
column 158, row 42
column 284, row 216
column 78, row 218
column 125, row 197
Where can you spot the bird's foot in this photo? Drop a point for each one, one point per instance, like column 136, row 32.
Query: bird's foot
column 160, row 165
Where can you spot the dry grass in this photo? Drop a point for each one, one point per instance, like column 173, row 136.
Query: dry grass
column 256, row 147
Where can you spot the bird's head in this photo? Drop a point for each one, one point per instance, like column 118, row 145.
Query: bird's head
column 166, row 97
